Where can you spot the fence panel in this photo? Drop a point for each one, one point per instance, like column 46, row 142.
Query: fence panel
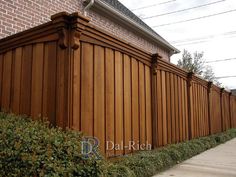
column 172, row 108
column 199, row 107
column 216, row 120
column 80, row 77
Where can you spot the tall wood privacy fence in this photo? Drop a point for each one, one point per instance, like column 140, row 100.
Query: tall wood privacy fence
column 80, row 77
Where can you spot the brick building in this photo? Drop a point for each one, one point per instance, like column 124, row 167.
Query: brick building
column 110, row 15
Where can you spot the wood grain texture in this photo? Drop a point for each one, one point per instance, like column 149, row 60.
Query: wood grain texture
column 107, row 88
column 110, row 100
column 168, row 111
column 1, row 78
column 159, row 110
column 127, row 103
column 87, row 107
column 135, row 101
column 119, row 131
column 142, row 113
column 99, row 96
column 76, row 85
column 17, row 81
column 37, row 80
column 6, row 81
column 49, row 82
column 148, row 105
column 164, row 118
column 26, row 77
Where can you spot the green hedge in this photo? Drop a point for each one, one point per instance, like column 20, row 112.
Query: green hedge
column 32, row 148
column 149, row 163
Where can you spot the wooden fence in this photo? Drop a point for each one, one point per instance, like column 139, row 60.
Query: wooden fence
column 80, row 77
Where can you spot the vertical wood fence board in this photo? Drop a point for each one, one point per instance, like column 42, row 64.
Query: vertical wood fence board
column 99, row 96
column 37, row 78
column 127, row 103
column 49, row 85
column 62, row 85
column 6, row 81
column 168, row 113
column 87, row 114
column 159, row 109
column 26, row 80
column 164, row 118
column 1, row 78
column 135, row 101
column 110, row 99
column 62, row 74
column 180, row 110
column 176, row 109
column 148, row 105
column 17, row 81
column 118, row 100
column 142, row 104
column 172, row 109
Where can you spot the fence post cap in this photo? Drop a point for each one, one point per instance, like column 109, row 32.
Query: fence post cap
column 60, row 15
column 222, row 89
column 210, row 84
column 80, row 16
column 190, row 75
column 156, row 55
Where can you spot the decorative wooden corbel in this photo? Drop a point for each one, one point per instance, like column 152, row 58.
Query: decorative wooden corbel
column 61, row 23
column 78, row 24
column 209, row 86
column 221, row 91
column 155, row 58
column 190, row 78
column 75, row 39
column 63, row 38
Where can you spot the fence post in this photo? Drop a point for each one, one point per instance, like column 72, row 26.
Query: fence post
column 190, row 107
column 69, row 28
column 209, row 99
column 155, row 58
column 230, row 121
column 221, row 109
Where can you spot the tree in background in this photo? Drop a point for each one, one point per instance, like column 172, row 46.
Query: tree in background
column 196, row 64
column 209, row 75
column 191, row 63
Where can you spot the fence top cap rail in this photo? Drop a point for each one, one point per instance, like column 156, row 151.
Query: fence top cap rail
column 70, row 16
column 59, row 21
column 61, row 17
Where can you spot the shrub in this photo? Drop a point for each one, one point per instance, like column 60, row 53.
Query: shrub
column 149, row 163
column 114, row 170
column 32, row 148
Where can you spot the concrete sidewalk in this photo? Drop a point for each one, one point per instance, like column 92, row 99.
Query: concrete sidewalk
column 217, row 162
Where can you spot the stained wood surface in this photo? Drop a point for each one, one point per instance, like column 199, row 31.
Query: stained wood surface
column 108, row 89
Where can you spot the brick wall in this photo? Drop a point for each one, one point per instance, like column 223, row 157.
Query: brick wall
column 19, row 15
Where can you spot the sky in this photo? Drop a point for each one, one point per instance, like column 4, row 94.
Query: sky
column 214, row 35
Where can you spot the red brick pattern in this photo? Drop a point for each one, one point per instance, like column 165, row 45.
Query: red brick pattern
column 19, row 15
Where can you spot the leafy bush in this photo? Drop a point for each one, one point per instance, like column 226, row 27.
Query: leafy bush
column 31, row 148
column 114, row 170
column 148, row 163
